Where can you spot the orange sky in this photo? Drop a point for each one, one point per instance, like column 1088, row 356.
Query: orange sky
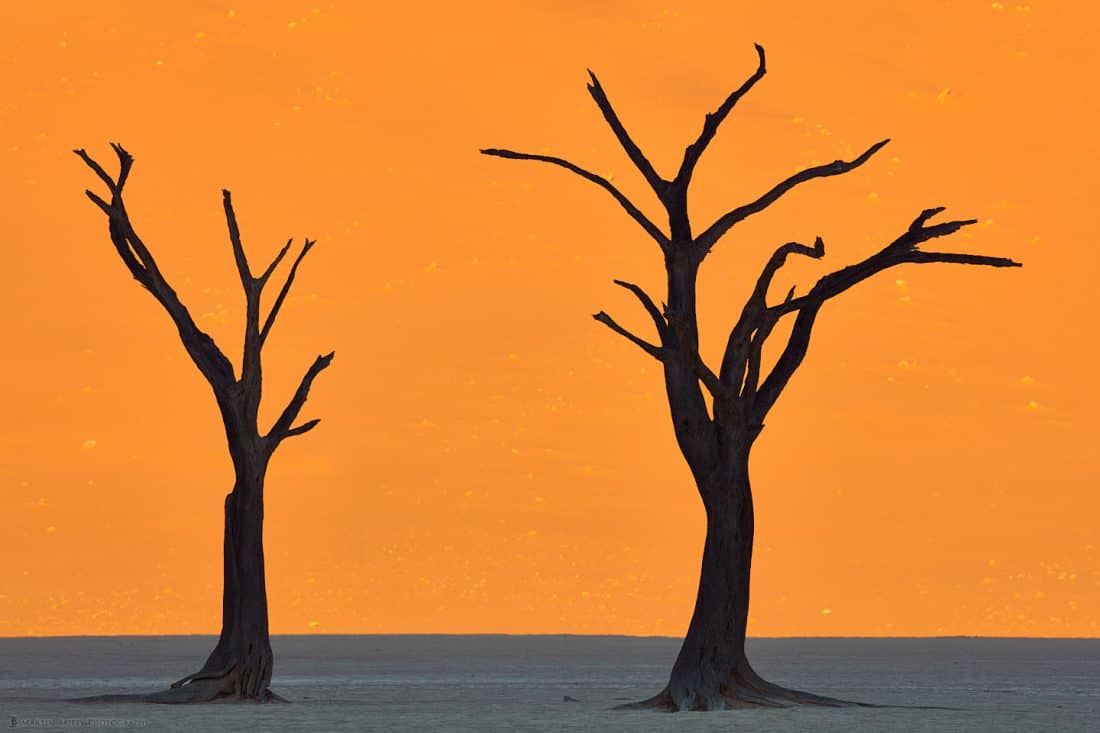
column 491, row 459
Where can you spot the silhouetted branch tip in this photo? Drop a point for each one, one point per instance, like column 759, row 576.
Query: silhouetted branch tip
column 869, row 152
column 98, row 201
column 757, row 303
column 637, row 157
column 924, row 216
column 125, row 161
column 654, row 351
column 98, row 169
column 919, row 231
column 275, row 262
column 303, row 428
column 961, row 259
column 647, row 302
column 500, row 153
column 270, row 321
column 712, row 121
column 235, row 240
column 121, row 152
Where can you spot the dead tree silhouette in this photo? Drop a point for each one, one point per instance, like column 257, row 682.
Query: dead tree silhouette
column 712, row 671
column 241, row 663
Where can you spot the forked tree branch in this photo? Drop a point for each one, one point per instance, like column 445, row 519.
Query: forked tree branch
column 779, row 258
column 707, row 376
column 282, row 428
column 754, row 356
column 902, row 250
column 685, row 342
column 627, row 204
column 251, row 368
column 210, row 360
column 746, row 337
column 270, row 321
column 275, row 262
column 231, row 394
column 789, row 360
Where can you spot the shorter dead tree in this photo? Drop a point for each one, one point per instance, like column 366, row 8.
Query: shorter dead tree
column 240, row 666
column 712, row 671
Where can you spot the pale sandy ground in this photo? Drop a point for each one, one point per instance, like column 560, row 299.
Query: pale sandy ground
column 499, row 683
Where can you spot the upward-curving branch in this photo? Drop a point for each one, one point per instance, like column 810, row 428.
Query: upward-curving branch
column 714, row 232
column 741, row 360
column 715, row 119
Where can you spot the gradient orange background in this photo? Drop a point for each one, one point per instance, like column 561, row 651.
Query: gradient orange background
column 489, row 458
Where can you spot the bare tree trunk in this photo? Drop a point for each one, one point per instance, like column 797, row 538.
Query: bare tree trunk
column 712, row 671
column 241, row 663
column 713, row 651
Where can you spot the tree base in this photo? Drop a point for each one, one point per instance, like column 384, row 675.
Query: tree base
column 192, row 693
column 230, row 685
column 745, row 691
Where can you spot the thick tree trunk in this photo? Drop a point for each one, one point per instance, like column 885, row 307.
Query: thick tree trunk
column 712, row 671
column 241, row 663
column 713, row 653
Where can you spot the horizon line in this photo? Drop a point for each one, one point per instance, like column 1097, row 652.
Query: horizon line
column 417, row 634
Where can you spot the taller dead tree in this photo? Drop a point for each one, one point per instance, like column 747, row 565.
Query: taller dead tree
column 711, row 671
column 241, row 664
